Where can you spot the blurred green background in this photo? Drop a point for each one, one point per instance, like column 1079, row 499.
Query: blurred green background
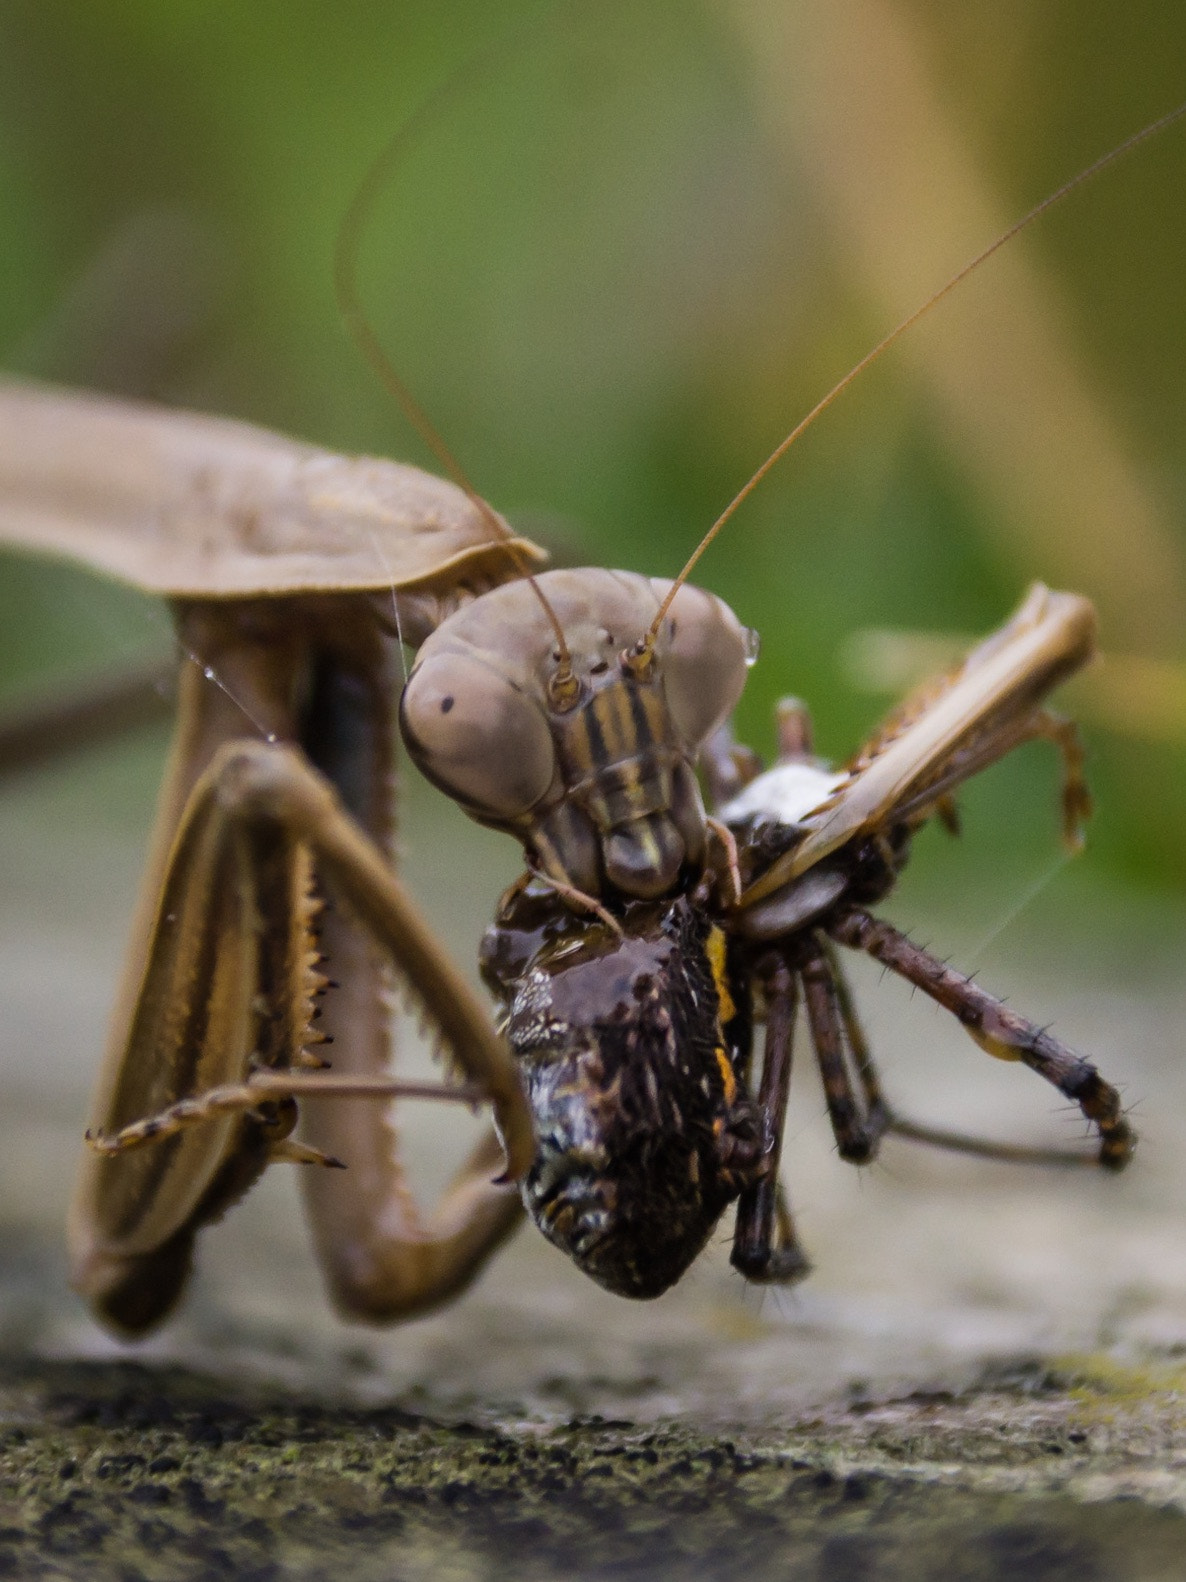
column 616, row 262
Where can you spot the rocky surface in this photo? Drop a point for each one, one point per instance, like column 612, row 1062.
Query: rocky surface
column 120, row 1470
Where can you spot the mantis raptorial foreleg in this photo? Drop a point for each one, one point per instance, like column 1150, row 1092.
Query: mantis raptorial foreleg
column 219, row 976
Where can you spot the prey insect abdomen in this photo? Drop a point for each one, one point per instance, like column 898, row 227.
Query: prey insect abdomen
column 634, row 1052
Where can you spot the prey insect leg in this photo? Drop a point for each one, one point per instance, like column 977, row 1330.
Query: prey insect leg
column 832, row 1022
column 765, row 1247
column 854, row 1033
column 916, row 1131
column 1076, row 797
column 792, row 722
column 727, row 765
column 997, row 1029
column 992, row 745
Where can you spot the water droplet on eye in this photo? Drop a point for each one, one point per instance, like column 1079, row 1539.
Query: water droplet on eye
column 753, row 646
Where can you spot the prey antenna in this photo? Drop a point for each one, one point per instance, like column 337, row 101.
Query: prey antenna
column 563, row 687
column 642, row 651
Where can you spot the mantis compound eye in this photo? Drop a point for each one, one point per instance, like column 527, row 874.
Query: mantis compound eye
column 476, row 735
column 703, row 651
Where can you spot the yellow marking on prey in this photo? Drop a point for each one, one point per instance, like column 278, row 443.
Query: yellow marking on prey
column 715, row 949
column 727, row 1078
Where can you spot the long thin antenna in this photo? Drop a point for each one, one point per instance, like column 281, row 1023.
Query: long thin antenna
column 776, row 455
column 563, row 688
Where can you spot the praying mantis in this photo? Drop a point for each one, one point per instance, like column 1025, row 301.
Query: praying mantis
column 573, row 718
column 304, row 655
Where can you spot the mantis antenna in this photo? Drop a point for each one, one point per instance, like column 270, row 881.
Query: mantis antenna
column 563, row 687
column 641, row 654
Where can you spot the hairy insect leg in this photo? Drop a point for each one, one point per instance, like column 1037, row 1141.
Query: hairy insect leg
column 986, row 1148
column 1001, row 1032
column 854, row 1033
column 431, row 1259
column 917, row 1131
column 1076, row 795
column 992, row 745
column 765, row 1247
column 858, row 1125
column 791, row 1258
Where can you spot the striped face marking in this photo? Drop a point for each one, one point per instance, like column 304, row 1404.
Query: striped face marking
column 602, row 789
column 629, row 776
column 616, row 752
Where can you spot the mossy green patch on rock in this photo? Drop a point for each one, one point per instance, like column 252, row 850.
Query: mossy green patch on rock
column 1150, row 1383
column 124, row 1471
